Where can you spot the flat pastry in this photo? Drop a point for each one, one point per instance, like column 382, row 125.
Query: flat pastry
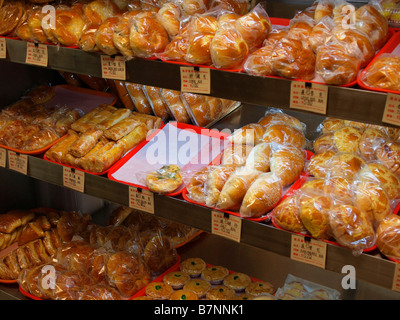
column 165, row 180
column 215, row 274
column 237, row 281
column 198, row 286
column 193, row 266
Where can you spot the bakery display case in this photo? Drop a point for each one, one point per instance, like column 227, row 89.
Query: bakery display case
column 269, row 247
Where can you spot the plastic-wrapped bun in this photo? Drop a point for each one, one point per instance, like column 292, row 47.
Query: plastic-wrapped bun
column 177, row 47
column 250, row 134
column 69, row 26
column 175, row 105
column 254, row 27
column 236, row 154
column 122, row 31
column 286, row 215
column 321, row 32
column 352, row 228
column 170, row 16
column 216, row 179
column 323, row 9
column 369, row 141
column 388, row 154
column 104, row 36
column 262, row 196
column 259, row 62
column 196, row 185
column 191, row 7
column 276, row 116
column 284, row 134
column 293, row 59
column 239, row 7
column 301, row 28
column 388, row 236
column 147, row 37
column 383, row 73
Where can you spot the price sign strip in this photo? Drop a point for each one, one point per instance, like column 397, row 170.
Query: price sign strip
column 141, row 199
column 307, row 96
column 226, row 225
column 307, row 250
column 36, row 54
column 195, row 80
column 391, row 113
column 3, row 48
column 18, row 162
column 74, row 179
column 113, row 67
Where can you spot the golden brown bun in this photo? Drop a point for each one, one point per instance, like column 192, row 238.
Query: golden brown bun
column 339, row 188
column 147, row 37
column 96, row 12
column 258, row 63
column 262, row 196
column 235, row 188
column 259, row 157
column 300, row 29
column 284, row 134
column 191, row 7
column 352, row 228
column 138, row 97
column 324, row 143
column 318, row 165
column 177, row 47
column 383, row 73
column 228, row 49
column 314, row 214
column 68, row 26
column 320, row 33
column 388, row 154
column 286, row 215
column 369, row 141
column 10, row 15
column 165, row 180
column 346, row 139
column 287, row 163
column 122, row 31
column 198, row 49
column 216, row 180
column 170, row 15
column 346, row 164
column 35, row 26
column 293, row 59
column 331, row 125
column 388, row 236
column 323, row 9
column 250, row 134
column 196, row 185
column 276, row 34
column 280, row 117
column 158, row 105
column 104, row 36
column 236, row 154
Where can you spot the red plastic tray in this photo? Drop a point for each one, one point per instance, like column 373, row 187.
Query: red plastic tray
column 389, row 47
column 121, row 163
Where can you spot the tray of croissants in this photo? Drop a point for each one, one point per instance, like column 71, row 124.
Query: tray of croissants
column 63, row 255
column 44, row 114
column 329, row 41
column 350, row 192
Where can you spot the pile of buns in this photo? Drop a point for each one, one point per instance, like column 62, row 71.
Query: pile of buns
column 101, row 137
column 30, row 125
column 32, row 237
column 353, row 185
column 331, row 41
column 259, row 162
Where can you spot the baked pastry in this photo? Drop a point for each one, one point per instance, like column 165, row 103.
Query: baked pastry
column 318, row 165
column 293, row 59
column 236, row 154
column 314, row 214
column 236, row 6
column 238, row 281
column 250, row 134
column 235, row 188
column 193, row 266
column 262, row 196
column 220, row 292
column 383, row 73
column 198, row 286
column 69, row 25
column 259, row 157
column 216, row 180
column 369, row 141
column 138, row 97
column 339, row 188
column 192, row 7
column 175, row 105
column 165, row 180
column 156, row 101
column 122, row 31
column 10, row 15
column 300, row 28
column 258, row 63
column 170, row 15
column 279, row 117
column 324, row 143
column 388, row 154
column 286, row 215
column 183, row 295
column 323, row 9
column 214, row 274
column 244, row 296
column 346, row 139
column 352, row 228
column 147, row 37
column 158, row 290
column 285, row 134
column 345, row 165
column 259, row 288
column 104, row 36
column 176, row 279
column 177, row 47
column 388, row 236
column 196, row 185
column 321, row 32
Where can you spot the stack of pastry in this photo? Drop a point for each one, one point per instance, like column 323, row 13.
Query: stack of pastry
column 32, row 237
column 261, row 160
column 30, row 125
column 324, row 41
column 101, row 137
column 354, row 174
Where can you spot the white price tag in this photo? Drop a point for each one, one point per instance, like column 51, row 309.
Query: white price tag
column 18, row 162
column 36, row 54
column 141, row 199
column 309, row 96
column 308, row 250
column 195, row 80
column 74, row 179
column 113, row 67
column 226, row 225
column 391, row 113
column 3, row 157
column 396, row 278
column 3, row 48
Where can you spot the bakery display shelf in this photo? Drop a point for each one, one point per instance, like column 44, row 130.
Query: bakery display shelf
column 348, row 103
column 255, row 234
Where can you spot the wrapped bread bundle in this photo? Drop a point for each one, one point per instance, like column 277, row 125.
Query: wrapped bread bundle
column 170, row 15
column 34, row 24
column 284, row 134
column 236, row 154
column 216, row 179
column 324, row 8
column 301, row 28
column 177, row 47
column 175, row 105
column 122, row 31
column 259, row 63
column 286, row 215
column 388, row 236
column 259, row 157
column 11, row 14
column 318, row 165
column 321, row 32
column 138, row 97
column 277, row 116
column 159, row 107
column 201, row 29
column 388, row 154
column 104, row 36
column 250, row 134
column 196, row 185
column 193, row 7
column 239, row 7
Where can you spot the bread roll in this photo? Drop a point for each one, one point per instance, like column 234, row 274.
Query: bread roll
column 191, row 7
column 235, row 188
column 177, row 47
column 262, row 196
column 175, row 105
column 259, row 63
column 69, row 26
column 318, row 166
column 388, row 236
column 216, row 180
column 321, row 32
column 330, row 125
column 10, row 15
column 347, row 139
column 104, row 36
column 275, row 117
column 284, row 134
column 259, row 157
column 351, row 228
column 196, row 185
column 286, row 215
column 156, row 101
column 236, row 154
column 301, row 28
column 323, row 9
column 138, row 97
column 170, row 16
column 324, row 143
column 388, row 154
column 339, row 188
column 250, row 134
column 369, row 141
column 314, row 214
column 383, row 73
column 287, row 163
column 122, row 31
column 238, row 7
column 345, row 165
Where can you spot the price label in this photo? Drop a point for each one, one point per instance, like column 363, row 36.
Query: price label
column 36, row 54
column 391, row 114
column 396, row 278
column 3, row 157
column 113, row 67
column 141, row 199
column 309, row 96
column 308, row 250
column 3, row 48
column 74, row 179
column 226, row 225
column 18, row 162
column 195, row 80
